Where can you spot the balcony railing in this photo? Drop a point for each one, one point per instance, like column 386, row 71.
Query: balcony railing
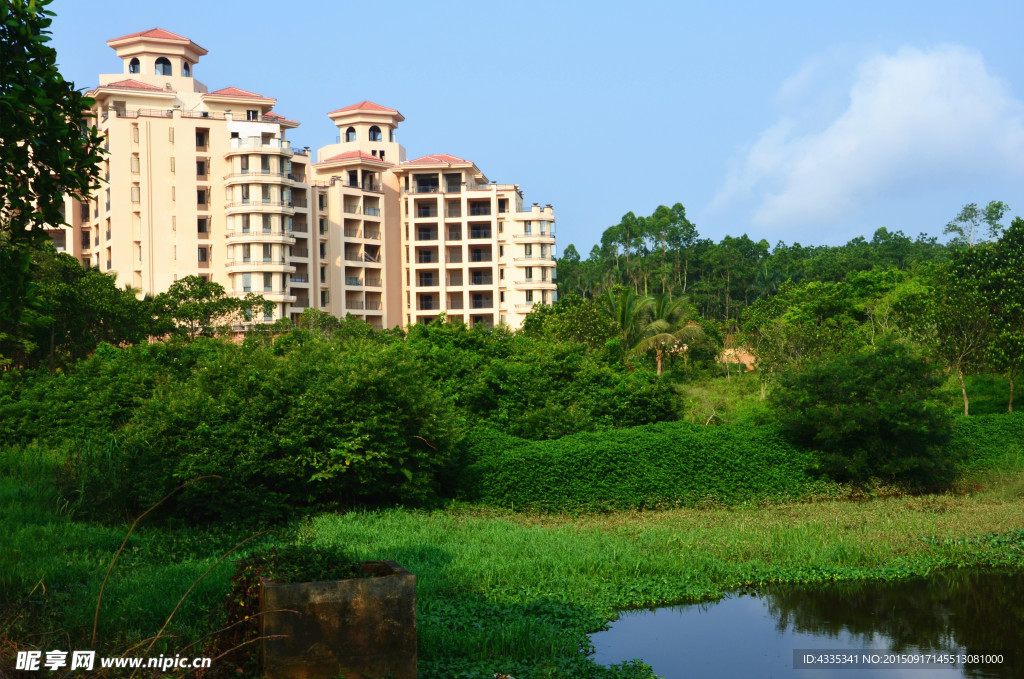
column 479, row 210
column 480, row 233
column 426, row 235
column 353, row 305
column 371, row 211
column 429, row 282
column 422, row 212
column 299, row 278
column 479, row 258
column 351, row 209
column 454, row 259
column 300, row 303
column 300, row 252
column 260, row 143
column 482, row 280
column 482, row 304
column 373, row 282
column 424, row 188
column 353, row 280
column 453, row 214
column 428, row 306
column 299, row 202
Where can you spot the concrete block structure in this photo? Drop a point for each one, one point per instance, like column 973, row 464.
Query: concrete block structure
column 207, row 183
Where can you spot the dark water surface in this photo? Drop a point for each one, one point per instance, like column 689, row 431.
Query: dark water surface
column 963, row 612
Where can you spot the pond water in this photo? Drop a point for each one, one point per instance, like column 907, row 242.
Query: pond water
column 763, row 634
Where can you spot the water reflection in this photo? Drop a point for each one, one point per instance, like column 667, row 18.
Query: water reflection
column 959, row 611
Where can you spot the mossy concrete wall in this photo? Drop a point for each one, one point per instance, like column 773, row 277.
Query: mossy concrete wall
column 363, row 627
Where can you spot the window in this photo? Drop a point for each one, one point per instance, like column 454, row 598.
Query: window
column 200, row 139
column 265, row 193
column 323, row 250
column 266, row 223
column 527, row 228
column 172, row 164
column 244, row 160
column 252, row 114
column 200, row 168
column 201, row 196
column 324, row 298
column 246, row 253
column 247, row 282
column 203, row 225
column 245, row 224
column 134, row 66
column 375, row 133
column 163, row 66
column 170, row 136
column 501, row 297
column 203, row 257
column 529, row 295
column 528, row 250
column 135, row 164
column 268, row 282
column 323, row 274
column 323, row 226
column 350, row 134
column 322, row 201
column 186, row 70
column 135, row 134
column 136, row 194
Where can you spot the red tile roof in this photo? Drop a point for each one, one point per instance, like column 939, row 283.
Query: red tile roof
column 279, row 118
column 236, row 92
column 364, row 106
column 135, row 85
column 153, row 33
column 438, row 159
column 353, row 155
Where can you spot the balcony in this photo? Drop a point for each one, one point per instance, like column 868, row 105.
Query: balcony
column 479, row 257
column 479, row 210
column 428, row 305
column 424, row 188
column 480, row 233
column 481, row 280
column 373, row 282
column 298, row 278
column 429, row 281
column 482, row 304
column 371, row 211
column 353, row 281
column 426, row 234
column 259, row 144
column 423, row 211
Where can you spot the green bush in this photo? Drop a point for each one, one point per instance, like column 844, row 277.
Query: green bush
column 987, row 442
column 871, row 413
column 311, row 424
column 650, row 466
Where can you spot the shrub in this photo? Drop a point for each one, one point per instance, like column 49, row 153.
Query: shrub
column 652, row 466
column 869, row 413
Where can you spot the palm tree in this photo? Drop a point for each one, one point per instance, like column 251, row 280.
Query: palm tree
column 663, row 333
column 627, row 309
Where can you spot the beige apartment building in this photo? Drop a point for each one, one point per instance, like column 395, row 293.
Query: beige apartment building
column 207, row 183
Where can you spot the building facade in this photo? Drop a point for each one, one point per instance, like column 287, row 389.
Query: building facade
column 207, row 183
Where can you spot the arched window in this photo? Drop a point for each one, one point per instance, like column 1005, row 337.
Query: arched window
column 350, row 134
column 133, row 66
column 375, row 133
column 163, row 66
column 186, row 70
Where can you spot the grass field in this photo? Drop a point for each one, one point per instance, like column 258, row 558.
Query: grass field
column 498, row 591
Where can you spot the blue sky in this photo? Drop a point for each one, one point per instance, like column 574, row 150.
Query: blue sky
column 811, row 122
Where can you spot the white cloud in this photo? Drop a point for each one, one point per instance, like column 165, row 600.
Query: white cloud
column 913, row 121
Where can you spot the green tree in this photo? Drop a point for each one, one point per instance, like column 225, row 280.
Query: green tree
column 47, row 149
column 869, row 413
column 1005, row 296
column 966, row 226
column 194, row 305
